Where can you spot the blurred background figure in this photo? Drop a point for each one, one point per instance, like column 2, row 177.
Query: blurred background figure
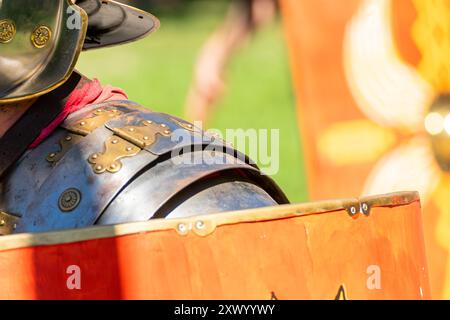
column 243, row 19
column 159, row 71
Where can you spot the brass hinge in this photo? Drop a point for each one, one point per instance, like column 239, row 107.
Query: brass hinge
column 145, row 134
column 80, row 129
column 127, row 142
column 99, row 117
column 116, row 148
column 65, row 144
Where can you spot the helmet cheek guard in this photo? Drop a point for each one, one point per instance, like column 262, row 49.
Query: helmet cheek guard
column 40, row 41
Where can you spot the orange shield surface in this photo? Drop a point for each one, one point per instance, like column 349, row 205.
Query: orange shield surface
column 367, row 74
column 371, row 248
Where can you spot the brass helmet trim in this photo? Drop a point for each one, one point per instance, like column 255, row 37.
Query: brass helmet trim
column 28, row 70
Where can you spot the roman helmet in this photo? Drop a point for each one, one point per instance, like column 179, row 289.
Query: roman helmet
column 40, row 40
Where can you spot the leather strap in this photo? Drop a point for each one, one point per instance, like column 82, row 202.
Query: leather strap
column 22, row 134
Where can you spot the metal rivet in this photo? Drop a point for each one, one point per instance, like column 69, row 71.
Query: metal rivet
column 52, row 155
column 129, row 149
column 149, row 121
column 131, row 129
column 69, row 199
column 15, row 226
column 41, row 36
column 146, row 138
column 68, row 138
column 163, row 125
column 94, row 156
column 200, row 224
column 182, row 228
column 82, row 123
column 353, row 210
column 365, row 209
column 115, row 141
column 167, row 131
column 113, row 166
column 99, row 168
column 2, row 222
column 7, row 31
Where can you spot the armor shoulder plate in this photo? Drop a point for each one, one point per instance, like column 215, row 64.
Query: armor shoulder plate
column 118, row 162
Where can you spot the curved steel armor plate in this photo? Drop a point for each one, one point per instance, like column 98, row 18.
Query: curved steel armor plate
column 117, row 162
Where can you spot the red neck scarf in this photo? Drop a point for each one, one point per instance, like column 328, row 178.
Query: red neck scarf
column 91, row 93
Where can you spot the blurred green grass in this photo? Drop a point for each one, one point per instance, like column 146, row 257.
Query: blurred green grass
column 157, row 71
